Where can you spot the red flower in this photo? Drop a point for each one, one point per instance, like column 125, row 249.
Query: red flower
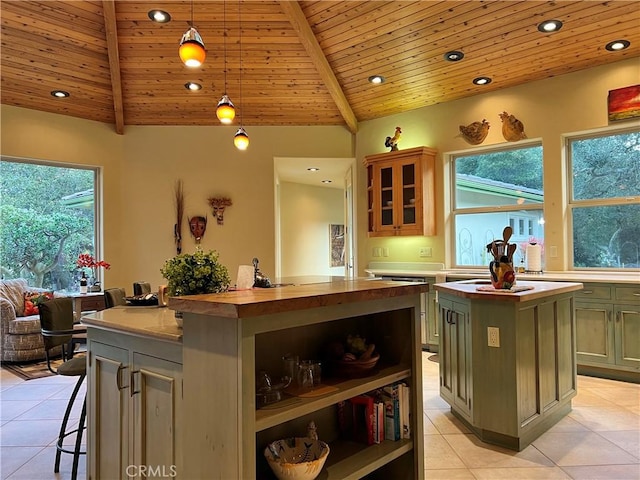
column 86, row 260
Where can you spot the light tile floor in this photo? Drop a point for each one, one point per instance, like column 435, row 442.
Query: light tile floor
column 598, row 440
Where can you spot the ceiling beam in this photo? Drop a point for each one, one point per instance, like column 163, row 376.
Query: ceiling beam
column 111, row 31
column 300, row 24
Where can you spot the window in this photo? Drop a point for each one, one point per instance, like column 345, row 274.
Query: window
column 604, row 203
column 494, row 188
column 47, row 218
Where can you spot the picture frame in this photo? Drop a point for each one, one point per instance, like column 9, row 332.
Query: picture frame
column 624, row 103
column 336, row 245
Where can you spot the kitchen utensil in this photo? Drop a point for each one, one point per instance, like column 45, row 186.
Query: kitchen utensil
column 506, row 234
column 510, row 251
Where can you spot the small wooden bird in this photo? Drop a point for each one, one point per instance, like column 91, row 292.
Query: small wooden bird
column 475, row 133
column 512, row 128
column 392, row 142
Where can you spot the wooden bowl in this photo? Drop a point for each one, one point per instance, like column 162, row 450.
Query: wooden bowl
column 356, row 368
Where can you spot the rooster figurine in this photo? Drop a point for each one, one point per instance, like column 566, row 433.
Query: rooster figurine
column 512, row 128
column 392, row 142
column 475, row 133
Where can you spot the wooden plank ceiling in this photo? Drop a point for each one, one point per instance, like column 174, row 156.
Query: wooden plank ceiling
column 302, row 63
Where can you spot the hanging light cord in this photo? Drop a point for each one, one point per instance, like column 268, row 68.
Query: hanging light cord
column 192, row 14
column 224, row 41
column 240, row 49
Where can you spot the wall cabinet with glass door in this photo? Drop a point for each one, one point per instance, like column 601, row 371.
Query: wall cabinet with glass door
column 400, row 192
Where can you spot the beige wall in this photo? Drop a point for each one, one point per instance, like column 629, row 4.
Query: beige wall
column 140, row 168
column 139, row 172
column 548, row 108
column 305, row 214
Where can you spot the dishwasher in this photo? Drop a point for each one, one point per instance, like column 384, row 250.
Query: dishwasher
column 423, row 304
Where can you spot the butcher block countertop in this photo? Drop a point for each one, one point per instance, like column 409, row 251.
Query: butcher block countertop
column 469, row 289
column 263, row 301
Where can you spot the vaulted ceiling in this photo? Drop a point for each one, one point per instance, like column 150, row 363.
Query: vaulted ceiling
column 301, row 63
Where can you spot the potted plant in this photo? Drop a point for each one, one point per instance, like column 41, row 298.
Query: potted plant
column 194, row 273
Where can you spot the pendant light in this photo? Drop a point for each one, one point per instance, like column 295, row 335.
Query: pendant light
column 225, row 111
column 240, row 139
column 191, row 51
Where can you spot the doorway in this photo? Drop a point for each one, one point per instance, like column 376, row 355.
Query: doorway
column 315, row 217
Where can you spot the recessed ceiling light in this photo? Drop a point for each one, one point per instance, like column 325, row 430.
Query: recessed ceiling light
column 193, row 86
column 549, row 26
column 453, row 56
column 326, row 181
column 313, row 169
column 60, row 93
column 159, row 16
column 376, row 79
column 617, row 45
column 482, row 81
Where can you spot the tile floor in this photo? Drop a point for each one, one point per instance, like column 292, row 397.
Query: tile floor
column 599, row 439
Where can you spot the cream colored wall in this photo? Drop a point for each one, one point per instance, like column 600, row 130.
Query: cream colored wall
column 548, row 108
column 139, row 172
column 305, row 214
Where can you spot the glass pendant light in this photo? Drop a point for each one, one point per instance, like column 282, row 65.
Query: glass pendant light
column 225, row 111
column 191, row 51
column 240, row 139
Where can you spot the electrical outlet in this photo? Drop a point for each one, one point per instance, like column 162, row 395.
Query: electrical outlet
column 493, row 336
column 553, row 251
column 385, row 251
column 426, row 252
column 377, row 252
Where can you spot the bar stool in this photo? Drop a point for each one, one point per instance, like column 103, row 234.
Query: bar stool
column 76, row 367
column 56, row 323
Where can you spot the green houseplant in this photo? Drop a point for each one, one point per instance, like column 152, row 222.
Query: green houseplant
column 194, row 273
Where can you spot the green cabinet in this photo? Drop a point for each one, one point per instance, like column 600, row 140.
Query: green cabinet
column 608, row 331
column 433, row 326
column 507, row 367
column 455, row 356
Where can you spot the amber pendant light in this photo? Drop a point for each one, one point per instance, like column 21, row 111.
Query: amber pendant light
column 240, row 139
column 225, row 110
column 191, row 51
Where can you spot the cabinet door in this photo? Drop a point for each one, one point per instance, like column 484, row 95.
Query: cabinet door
column 455, row 356
column 157, row 411
column 408, row 190
column 385, row 216
column 433, row 335
column 627, row 335
column 108, row 411
column 594, row 333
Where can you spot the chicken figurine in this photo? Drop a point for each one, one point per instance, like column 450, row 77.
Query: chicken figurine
column 475, row 133
column 512, row 128
column 392, row 142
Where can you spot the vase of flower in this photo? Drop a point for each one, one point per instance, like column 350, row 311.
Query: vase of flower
column 86, row 261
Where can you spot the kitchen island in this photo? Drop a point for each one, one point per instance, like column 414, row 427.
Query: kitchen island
column 507, row 359
column 189, row 395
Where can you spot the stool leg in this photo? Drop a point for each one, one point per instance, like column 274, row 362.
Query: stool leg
column 65, row 420
column 76, row 452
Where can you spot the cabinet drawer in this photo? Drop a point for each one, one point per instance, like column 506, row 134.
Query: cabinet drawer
column 628, row 294
column 93, row 303
column 595, row 292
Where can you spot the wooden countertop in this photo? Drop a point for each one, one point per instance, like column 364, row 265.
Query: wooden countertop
column 155, row 322
column 466, row 289
column 263, row 301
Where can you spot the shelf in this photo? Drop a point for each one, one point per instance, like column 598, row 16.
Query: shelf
column 270, row 417
column 348, row 460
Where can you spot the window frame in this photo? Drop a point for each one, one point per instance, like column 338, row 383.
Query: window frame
column 97, row 197
column 450, row 200
column 571, row 203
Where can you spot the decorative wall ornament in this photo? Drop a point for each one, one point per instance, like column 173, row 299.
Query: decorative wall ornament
column 197, row 226
column 219, row 204
column 392, row 142
column 512, row 128
column 475, row 133
column 624, row 103
column 177, row 227
column 336, row 245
